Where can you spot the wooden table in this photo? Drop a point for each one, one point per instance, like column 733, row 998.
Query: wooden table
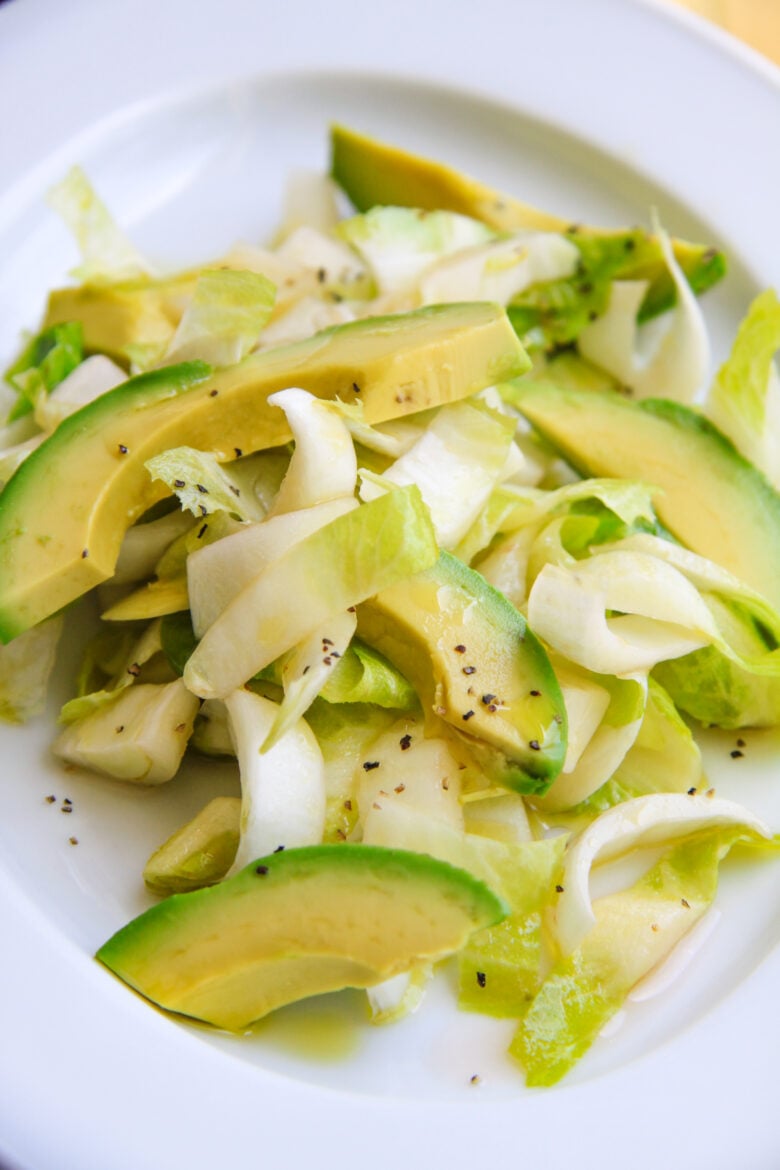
column 757, row 22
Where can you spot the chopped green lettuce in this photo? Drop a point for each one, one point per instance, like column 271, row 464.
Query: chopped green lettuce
column 223, row 320
column 202, row 484
column 744, row 400
column 635, row 930
column 46, row 361
column 107, row 255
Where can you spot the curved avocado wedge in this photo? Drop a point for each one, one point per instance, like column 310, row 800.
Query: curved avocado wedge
column 63, row 514
column 295, row 924
column 375, row 173
column 712, row 499
column 475, row 664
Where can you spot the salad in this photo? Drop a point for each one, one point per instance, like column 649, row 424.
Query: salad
column 428, row 514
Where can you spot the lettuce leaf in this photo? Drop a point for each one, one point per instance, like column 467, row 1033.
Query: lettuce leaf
column 107, row 254
column 46, row 361
column 744, row 400
column 223, row 320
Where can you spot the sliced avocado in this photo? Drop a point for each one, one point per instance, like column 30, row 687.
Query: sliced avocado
column 296, row 924
column 199, row 853
column 120, row 319
column 476, row 665
column 64, row 512
column 711, row 498
column 375, row 173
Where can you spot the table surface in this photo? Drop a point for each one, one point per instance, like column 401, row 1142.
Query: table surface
column 757, row 22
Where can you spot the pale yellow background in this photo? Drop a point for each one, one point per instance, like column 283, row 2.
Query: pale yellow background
column 755, row 21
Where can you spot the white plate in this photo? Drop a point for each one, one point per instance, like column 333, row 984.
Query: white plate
column 595, row 110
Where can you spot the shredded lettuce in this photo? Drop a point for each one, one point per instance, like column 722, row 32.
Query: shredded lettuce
column 635, row 930
column 202, row 484
column 744, row 400
column 26, row 664
column 224, row 317
column 46, row 361
column 107, row 255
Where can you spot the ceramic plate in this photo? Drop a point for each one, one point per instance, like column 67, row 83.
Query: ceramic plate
column 188, row 123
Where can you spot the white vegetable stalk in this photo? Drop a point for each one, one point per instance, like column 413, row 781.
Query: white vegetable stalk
column 218, row 572
column 91, row 379
column 663, row 615
column 457, row 461
column 499, row 270
column 313, row 478
column 283, row 789
column 666, row 358
column 310, row 200
column 413, row 772
column 648, row 820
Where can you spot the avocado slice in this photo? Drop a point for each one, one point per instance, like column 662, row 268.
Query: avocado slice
column 199, row 853
column 296, row 924
column 712, row 499
column 118, row 319
column 64, row 512
column 475, row 664
column 375, row 173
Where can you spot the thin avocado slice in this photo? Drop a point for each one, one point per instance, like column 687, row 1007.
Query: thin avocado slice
column 712, row 499
column 118, row 319
column 64, row 512
column 374, row 173
column 296, row 924
column 475, row 664
column 199, row 853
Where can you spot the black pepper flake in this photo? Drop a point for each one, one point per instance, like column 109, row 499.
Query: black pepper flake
column 692, row 791
column 492, row 707
column 122, row 449
column 469, row 670
column 476, row 1079
column 351, row 609
column 348, row 805
column 736, row 754
column 740, row 743
column 326, row 642
column 534, row 745
column 84, row 553
column 236, row 491
column 322, row 275
column 405, row 742
column 67, row 800
column 213, row 393
column 179, row 483
column 279, row 849
column 535, row 694
column 73, row 840
column 51, row 799
column 342, row 836
column 203, row 511
column 327, row 660
column 204, row 491
column 684, row 902
column 467, row 715
column 488, row 698
column 306, row 670
column 238, row 452
column 559, row 889
column 202, row 530
column 399, row 788
column 369, row 765
column 119, row 729
column 460, row 648
column 481, row 978
column 355, row 387
column 66, row 808
column 134, row 669
column 261, row 870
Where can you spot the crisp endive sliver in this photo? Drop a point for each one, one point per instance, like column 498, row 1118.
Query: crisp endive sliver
column 282, row 789
column 313, row 478
column 646, row 820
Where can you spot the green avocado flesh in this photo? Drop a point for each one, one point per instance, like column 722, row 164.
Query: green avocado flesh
column 711, row 498
column 476, row 665
column 296, row 924
column 374, row 173
column 64, row 512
